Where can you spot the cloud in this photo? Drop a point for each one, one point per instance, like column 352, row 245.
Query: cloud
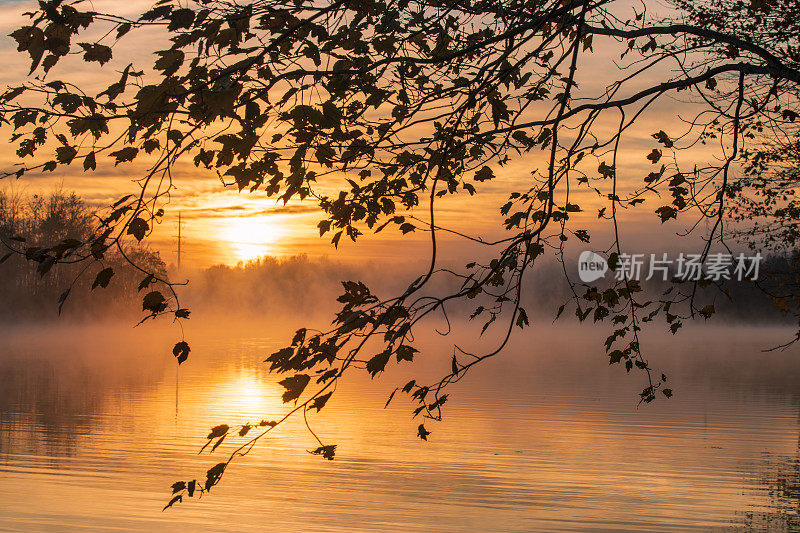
column 239, row 211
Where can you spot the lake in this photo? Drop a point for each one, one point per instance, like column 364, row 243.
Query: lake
column 96, row 424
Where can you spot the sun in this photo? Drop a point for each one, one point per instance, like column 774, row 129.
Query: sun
column 250, row 237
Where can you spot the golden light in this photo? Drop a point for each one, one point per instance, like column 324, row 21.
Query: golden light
column 239, row 395
column 250, row 396
column 250, row 237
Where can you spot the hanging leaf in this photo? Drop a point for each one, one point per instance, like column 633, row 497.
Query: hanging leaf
column 65, row 154
column 214, row 474
column 378, row 363
column 663, row 138
column 62, row 299
column 320, row 401
column 148, row 279
column 178, row 498
column 124, row 155
column 169, row 61
column 294, row 386
column 654, row 156
column 328, row 452
column 666, row 212
column 390, row 398
column 103, row 278
column 484, row 174
column 89, row 162
column 218, row 431
column 181, row 351
column 405, row 353
column 422, row 432
column 96, row 52
column 522, row 318
column 154, row 302
column 138, row 228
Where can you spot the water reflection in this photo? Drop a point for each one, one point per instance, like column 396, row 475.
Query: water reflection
column 779, row 476
column 91, row 438
column 52, row 394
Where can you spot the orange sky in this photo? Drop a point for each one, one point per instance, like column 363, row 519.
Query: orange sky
column 224, row 226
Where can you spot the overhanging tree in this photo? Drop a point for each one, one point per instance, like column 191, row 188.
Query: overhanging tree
column 378, row 110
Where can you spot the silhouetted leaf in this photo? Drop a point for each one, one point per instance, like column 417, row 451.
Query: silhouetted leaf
column 422, row 432
column 96, row 52
column 65, row 154
column 89, row 161
column 181, row 351
column 390, row 398
column 62, row 299
column 328, row 452
column 407, row 227
column 218, row 431
column 484, row 174
column 214, row 474
column 707, row 311
column 216, row 444
column 154, row 302
column 124, row 155
column 378, row 363
column 148, row 279
column 666, row 212
column 663, row 138
column 138, row 228
column 178, row 498
column 294, row 386
column 103, row 278
column 320, row 401
column 170, row 61
column 522, row 318
column 123, row 29
column 405, row 353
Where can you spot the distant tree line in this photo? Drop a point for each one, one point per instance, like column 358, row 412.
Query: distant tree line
column 304, row 284
column 270, row 284
column 31, row 290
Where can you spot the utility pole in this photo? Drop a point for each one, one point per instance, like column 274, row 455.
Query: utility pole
column 180, row 224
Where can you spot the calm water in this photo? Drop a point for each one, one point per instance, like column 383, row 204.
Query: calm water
column 547, row 438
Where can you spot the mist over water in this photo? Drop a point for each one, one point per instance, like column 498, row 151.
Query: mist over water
column 97, row 421
column 96, row 425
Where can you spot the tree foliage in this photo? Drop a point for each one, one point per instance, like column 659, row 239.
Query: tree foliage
column 59, row 222
column 377, row 110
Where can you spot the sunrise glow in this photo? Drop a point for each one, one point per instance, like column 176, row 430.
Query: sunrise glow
column 400, row 266
column 250, row 237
